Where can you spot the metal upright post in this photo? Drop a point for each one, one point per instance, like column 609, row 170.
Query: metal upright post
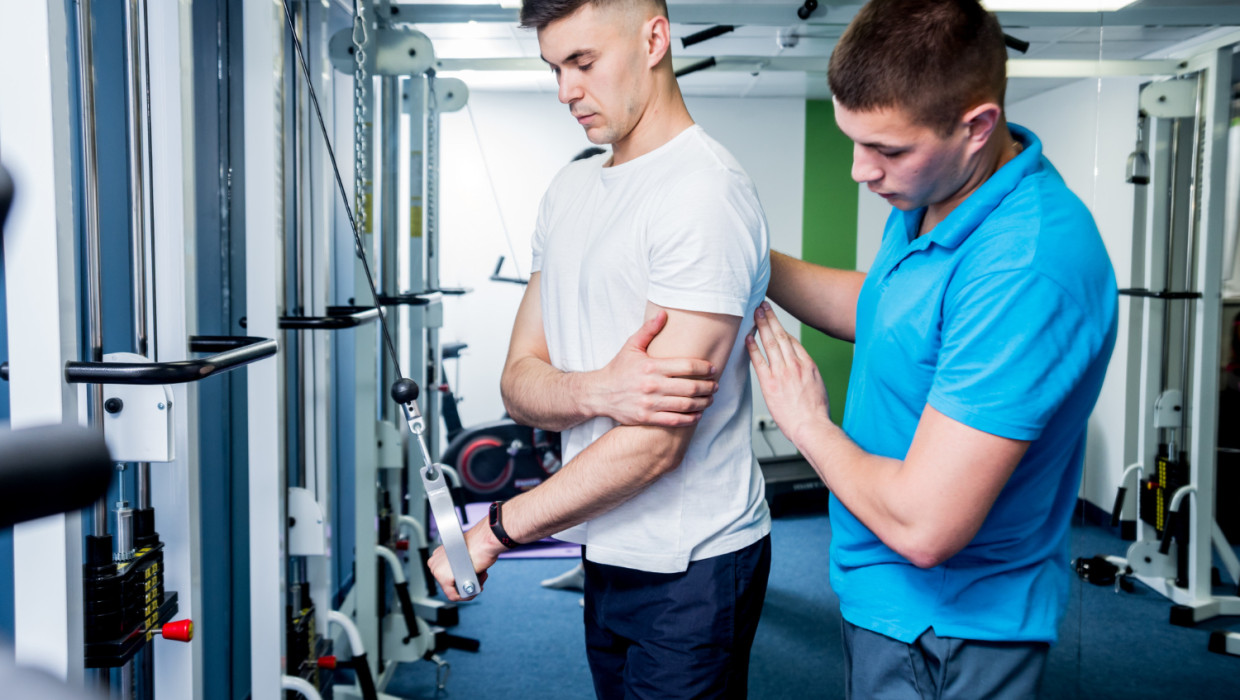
column 389, row 135
column 434, row 312
column 171, row 282
column 90, row 221
column 414, row 333
column 1206, row 321
column 40, row 240
column 264, row 60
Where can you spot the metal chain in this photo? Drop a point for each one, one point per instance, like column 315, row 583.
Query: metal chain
column 360, row 79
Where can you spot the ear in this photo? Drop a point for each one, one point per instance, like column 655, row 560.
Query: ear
column 981, row 122
column 657, row 34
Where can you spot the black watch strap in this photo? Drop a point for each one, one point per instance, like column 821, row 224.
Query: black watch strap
column 497, row 527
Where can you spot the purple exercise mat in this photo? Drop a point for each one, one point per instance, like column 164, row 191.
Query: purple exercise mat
column 547, row 548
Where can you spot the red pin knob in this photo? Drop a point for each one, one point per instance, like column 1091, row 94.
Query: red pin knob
column 402, row 545
column 328, row 662
column 178, row 631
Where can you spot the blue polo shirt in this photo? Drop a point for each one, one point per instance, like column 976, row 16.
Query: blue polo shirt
column 1003, row 318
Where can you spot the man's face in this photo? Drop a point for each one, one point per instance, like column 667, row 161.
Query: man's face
column 909, row 165
column 596, row 55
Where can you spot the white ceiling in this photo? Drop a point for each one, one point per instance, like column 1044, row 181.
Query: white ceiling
column 753, row 63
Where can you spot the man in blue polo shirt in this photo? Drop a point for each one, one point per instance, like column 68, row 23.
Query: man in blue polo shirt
column 982, row 330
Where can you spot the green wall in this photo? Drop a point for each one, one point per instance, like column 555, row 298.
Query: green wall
column 828, row 233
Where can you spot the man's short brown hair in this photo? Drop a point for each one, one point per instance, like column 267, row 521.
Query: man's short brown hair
column 934, row 59
column 536, row 14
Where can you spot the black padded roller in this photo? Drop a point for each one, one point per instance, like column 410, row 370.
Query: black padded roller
column 51, row 469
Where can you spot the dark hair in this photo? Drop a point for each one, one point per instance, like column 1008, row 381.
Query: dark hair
column 536, row 14
column 935, row 59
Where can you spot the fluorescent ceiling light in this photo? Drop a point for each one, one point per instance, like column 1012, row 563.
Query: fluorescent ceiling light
column 1055, row 5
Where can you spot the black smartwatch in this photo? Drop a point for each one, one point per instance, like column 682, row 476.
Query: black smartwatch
column 497, row 527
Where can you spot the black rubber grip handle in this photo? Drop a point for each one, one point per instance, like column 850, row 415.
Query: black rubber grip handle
column 365, row 681
column 1119, row 506
column 406, row 610
column 424, row 556
column 1173, row 524
column 458, row 497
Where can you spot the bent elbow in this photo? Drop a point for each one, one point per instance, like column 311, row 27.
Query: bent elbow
column 925, row 559
column 927, row 552
column 506, row 393
column 666, row 458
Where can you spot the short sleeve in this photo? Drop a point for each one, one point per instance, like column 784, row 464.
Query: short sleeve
column 1014, row 347
column 539, row 239
column 707, row 245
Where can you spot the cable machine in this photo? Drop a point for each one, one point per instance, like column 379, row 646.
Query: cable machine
column 120, row 586
column 1168, row 490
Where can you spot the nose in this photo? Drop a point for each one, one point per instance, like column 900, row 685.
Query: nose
column 864, row 169
column 570, row 87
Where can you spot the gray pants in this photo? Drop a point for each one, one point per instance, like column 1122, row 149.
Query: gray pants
column 878, row 667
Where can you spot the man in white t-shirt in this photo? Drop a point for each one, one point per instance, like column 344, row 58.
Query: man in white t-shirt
column 664, row 236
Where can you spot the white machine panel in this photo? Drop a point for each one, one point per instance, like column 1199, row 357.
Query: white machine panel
column 306, row 536
column 142, row 429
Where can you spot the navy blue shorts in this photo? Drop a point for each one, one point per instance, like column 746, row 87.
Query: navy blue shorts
column 682, row 635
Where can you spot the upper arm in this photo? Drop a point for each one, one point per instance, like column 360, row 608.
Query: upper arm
column 822, row 297
column 1015, row 345
column 528, row 337
column 700, row 334
column 954, row 475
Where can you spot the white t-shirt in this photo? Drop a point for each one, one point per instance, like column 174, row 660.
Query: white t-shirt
column 682, row 227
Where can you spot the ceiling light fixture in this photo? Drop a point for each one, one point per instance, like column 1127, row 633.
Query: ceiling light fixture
column 1055, row 5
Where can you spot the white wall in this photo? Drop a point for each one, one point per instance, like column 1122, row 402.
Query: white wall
column 1088, row 128
column 526, row 139
column 872, row 213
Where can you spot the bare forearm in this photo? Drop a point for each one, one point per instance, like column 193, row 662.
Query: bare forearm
column 822, row 297
column 614, row 469
column 872, row 487
column 537, row 394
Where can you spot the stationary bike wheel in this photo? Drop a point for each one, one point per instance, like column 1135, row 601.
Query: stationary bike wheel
column 485, row 465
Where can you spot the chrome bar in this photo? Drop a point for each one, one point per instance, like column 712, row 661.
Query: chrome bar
column 90, row 214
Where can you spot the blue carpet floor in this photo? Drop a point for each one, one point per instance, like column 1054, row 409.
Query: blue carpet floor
column 1113, row 645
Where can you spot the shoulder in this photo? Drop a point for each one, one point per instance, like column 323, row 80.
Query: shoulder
column 1043, row 227
column 705, row 174
column 578, row 171
column 1041, row 242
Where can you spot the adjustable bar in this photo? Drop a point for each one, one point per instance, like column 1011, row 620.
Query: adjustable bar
column 337, row 317
column 220, row 343
column 411, row 298
column 430, row 296
column 179, row 372
column 1134, row 292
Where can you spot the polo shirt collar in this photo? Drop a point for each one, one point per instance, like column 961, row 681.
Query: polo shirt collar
column 964, row 219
